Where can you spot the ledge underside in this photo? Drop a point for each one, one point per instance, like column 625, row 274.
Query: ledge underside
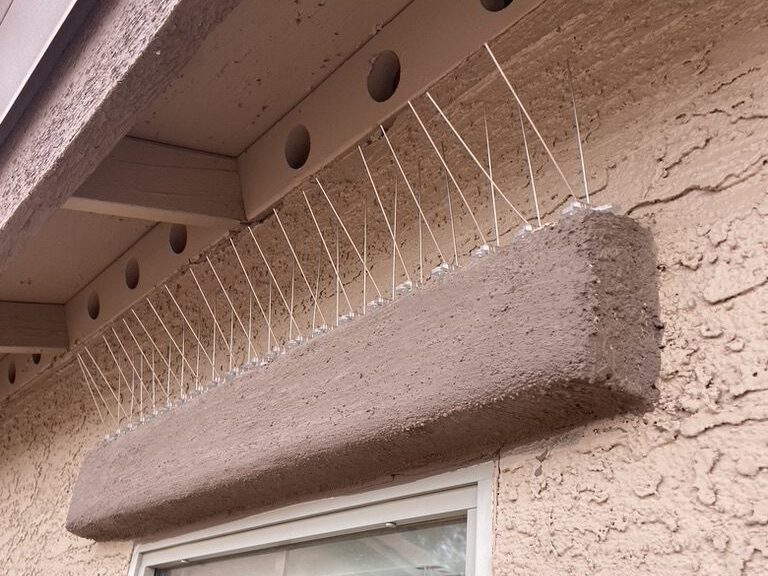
column 554, row 330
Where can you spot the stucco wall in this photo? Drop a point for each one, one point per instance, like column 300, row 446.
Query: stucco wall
column 684, row 489
column 674, row 101
column 45, row 437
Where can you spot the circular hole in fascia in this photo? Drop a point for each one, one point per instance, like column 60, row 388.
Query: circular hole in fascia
column 94, row 305
column 384, row 76
column 132, row 273
column 297, row 146
column 177, row 238
column 11, row 372
column 36, row 358
column 495, row 5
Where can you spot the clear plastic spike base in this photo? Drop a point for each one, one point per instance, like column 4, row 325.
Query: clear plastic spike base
column 480, row 251
column 404, row 288
column 319, row 331
column 523, row 231
column 375, row 304
column 440, row 270
column 293, row 343
column 345, row 318
column 609, row 208
column 578, row 206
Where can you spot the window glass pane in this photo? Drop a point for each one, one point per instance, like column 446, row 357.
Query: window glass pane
column 437, row 549
column 263, row 564
column 427, row 550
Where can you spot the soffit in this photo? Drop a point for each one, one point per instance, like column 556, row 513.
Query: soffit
column 70, row 250
column 255, row 67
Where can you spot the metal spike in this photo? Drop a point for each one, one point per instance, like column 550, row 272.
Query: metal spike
column 271, row 350
column 530, row 120
column 229, row 301
column 346, row 232
column 317, row 330
column 297, row 262
column 578, row 134
column 90, row 390
column 383, row 212
column 141, row 351
column 156, row 348
column 327, row 251
column 250, row 327
column 490, row 174
column 410, row 189
column 279, row 291
column 95, row 386
column 450, row 212
column 168, row 332
column 119, row 369
column 530, row 167
column 130, row 361
column 337, row 275
column 471, row 154
column 270, row 332
column 420, row 184
column 109, row 386
column 208, row 305
column 450, row 173
column 192, row 331
column 395, row 247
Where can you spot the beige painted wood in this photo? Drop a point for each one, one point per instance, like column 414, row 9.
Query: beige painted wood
column 68, row 252
column 27, row 328
column 255, row 67
column 151, row 181
column 156, row 262
column 340, row 112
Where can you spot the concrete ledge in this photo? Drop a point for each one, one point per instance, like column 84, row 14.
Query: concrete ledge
column 554, row 330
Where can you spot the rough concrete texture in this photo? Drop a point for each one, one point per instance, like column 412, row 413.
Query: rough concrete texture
column 123, row 56
column 672, row 97
column 556, row 328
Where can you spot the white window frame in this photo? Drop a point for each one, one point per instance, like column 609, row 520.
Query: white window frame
column 465, row 491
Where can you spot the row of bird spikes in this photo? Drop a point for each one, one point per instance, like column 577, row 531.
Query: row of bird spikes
column 148, row 391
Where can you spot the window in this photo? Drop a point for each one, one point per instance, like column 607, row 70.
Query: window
column 438, row 526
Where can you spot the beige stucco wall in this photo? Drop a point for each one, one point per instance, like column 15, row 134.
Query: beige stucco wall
column 683, row 489
column 674, row 104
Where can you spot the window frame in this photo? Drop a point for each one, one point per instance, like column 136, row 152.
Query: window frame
column 465, row 491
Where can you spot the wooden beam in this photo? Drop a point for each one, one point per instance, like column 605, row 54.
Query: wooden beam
column 151, row 181
column 265, row 170
column 30, row 328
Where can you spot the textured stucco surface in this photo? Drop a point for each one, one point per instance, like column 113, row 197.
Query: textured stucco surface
column 674, row 101
column 121, row 59
column 682, row 146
